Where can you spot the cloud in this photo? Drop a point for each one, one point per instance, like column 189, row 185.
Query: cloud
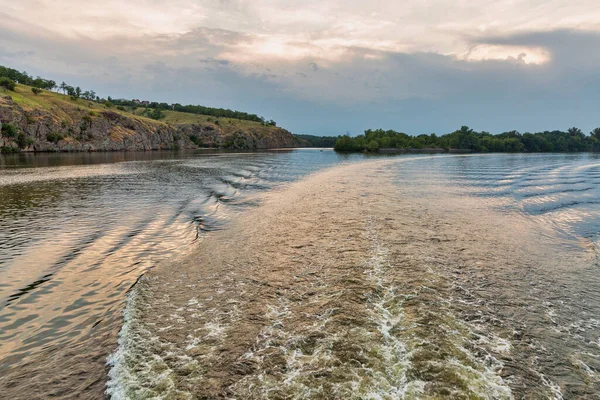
column 327, row 66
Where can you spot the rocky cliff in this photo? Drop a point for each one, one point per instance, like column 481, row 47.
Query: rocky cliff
column 52, row 122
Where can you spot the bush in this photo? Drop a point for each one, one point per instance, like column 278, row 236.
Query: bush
column 108, row 104
column 8, row 150
column 8, row 130
column 7, row 83
column 36, row 91
column 196, row 140
column 23, row 141
column 156, row 114
column 53, row 137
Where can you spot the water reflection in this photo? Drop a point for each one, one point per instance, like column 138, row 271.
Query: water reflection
column 76, row 230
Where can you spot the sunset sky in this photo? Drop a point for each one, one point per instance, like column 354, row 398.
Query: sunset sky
column 327, row 67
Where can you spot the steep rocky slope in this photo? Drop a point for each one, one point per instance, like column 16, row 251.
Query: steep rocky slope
column 53, row 122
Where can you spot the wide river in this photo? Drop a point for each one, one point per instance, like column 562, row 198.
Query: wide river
column 299, row 274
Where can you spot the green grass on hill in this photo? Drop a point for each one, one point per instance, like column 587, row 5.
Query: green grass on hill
column 63, row 107
column 181, row 118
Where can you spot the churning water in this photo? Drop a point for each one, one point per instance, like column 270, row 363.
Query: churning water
column 402, row 277
column 76, row 232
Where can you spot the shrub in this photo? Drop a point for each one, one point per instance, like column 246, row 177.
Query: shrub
column 8, row 130
column 9, row 150
column 53, row 137
column 36, row 91
column 108, row 104
column 23, row 141
column 156, row 114
column 196, row 140
column 7, row 83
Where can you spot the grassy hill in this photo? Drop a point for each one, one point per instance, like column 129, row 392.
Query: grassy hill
column 51, row 121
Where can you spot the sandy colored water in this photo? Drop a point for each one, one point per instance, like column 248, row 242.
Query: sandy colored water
column 347, row 286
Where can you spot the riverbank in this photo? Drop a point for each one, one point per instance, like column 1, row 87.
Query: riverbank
column 345, row 285
column 51, row 122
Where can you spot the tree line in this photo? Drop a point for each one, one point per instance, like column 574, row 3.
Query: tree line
column 10, row 76
column 193, row 109
column 466, row 139
column 317, row 141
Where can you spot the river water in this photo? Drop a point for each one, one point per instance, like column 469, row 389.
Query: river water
column 392, row 277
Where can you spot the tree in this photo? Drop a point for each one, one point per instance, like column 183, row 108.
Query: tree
column 63, row 86
column 596, row 133
column 8, row 130
column 157, row 113
column 7, row 83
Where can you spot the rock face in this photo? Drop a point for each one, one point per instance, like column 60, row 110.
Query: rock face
column 81, row 129
column 209, row 135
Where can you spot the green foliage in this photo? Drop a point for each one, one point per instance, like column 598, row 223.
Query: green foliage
column 346, row 143
column 156, row 113
column 24, row 79
column 466, row 139
column 236, row 141
column 196, row 140
column 195, row 109
column 8, row 130
column 9, row 150
column 23, row 141
column 10, row 76
column 54, row 137
column 36, row 91
column 7, row 83
column 318, row 141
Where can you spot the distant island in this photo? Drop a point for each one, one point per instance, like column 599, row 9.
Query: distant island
column 36, row 117
column 466, row 140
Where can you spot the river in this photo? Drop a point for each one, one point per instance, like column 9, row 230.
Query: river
column 299, row 274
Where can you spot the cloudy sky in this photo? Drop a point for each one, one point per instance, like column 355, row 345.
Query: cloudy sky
column 327, row 66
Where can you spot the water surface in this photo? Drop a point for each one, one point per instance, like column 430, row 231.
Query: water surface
column 502, row 250
column 77, row 230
